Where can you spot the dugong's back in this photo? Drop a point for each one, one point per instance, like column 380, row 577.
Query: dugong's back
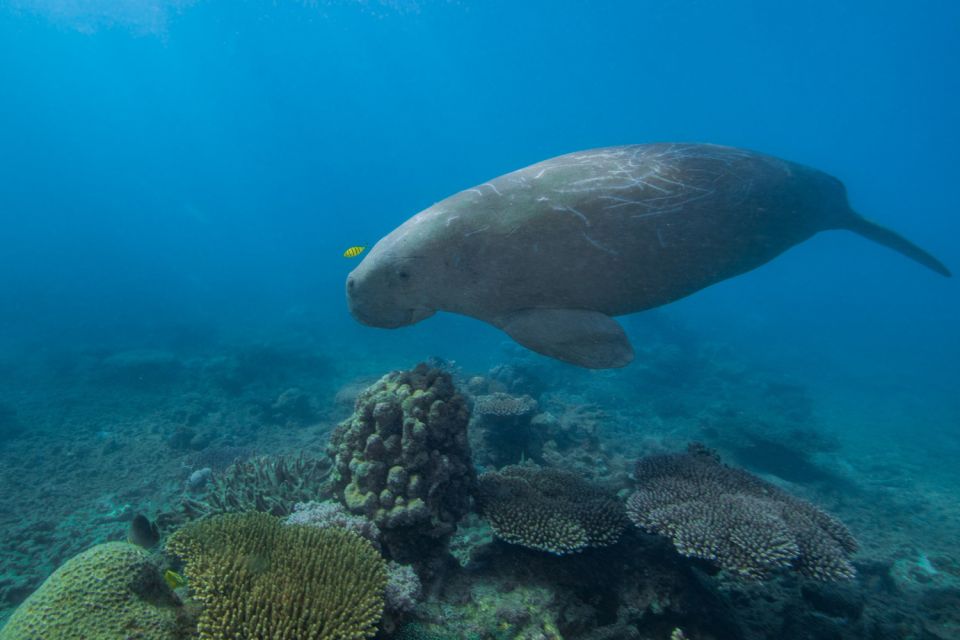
column 551, row 252
column 623, row 229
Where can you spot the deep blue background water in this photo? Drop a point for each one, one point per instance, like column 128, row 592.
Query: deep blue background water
column 204, row 164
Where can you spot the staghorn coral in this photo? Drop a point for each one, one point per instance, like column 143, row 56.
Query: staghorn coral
column 736, row 520
column 110, row 591
column 259, row 579
column 403, row 461
column 549, row 509
column 271, row 484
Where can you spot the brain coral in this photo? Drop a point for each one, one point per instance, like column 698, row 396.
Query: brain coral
column 549, row 509
column 736, row 520
column 403, row 461
column 259, row 579
column 110, row 591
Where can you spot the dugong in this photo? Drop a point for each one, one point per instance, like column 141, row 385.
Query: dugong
column 552, row 252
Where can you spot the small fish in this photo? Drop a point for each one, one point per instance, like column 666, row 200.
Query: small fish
column 353, row 252
column 173, row 579
column 143, row 532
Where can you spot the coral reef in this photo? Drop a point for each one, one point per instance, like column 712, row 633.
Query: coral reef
column 571, row 424
column 502, row 429
column 549, row 509
column 270, row 484
column 520, row 377
column 292, row 408
column 265, row 364
column 219, row 457
column 403, row 584
column 736, row 520
column 259, row 579
column 403, row 461
column 198, row 479
column 504, row 405
column 110, row 591
column 403, row 587
column 90, row 456
column 487, row 610
column 327, row 514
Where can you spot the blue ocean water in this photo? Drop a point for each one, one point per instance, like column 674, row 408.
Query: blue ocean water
column 183, row 176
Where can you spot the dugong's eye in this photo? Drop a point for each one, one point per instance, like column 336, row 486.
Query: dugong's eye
column 404, row 274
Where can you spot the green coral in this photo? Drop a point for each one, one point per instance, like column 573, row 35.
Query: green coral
column 403, row 461
column 257, row 578
column 110, row 591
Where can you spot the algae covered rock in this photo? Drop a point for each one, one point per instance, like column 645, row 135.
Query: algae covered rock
column 257, row 578
column 110, row 592
column 403, row 461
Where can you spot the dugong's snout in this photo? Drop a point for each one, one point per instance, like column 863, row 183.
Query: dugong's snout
column 379, row 309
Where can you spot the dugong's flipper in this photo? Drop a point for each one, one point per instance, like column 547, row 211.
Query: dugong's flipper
column 578, row 336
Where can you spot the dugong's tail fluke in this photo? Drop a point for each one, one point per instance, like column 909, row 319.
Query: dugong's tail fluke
column 892, row 239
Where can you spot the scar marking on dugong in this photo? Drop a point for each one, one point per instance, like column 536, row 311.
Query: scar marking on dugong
column 550, row 253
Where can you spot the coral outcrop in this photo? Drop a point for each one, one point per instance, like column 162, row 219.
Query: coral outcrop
column 549, row 509
column 257, row 578
column 504, row 405
column 330, row 514
column 403, row 461
column 736, row 520
column 270, row 484
column 503, row 431
column 110, row 591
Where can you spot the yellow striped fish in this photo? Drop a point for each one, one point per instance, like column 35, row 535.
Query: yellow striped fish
column 173, row 579
column 353, row 252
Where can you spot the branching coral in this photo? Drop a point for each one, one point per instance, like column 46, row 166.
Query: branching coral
column 736, row 520
column 549, row 509
column 403, row 461
column 272, row 485
column 259, row 579
column 110, row 591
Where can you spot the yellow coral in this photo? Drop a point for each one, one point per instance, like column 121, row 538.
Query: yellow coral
column 257, row 578
column 107, row 592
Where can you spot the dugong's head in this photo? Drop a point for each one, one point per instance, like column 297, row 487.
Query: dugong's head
column 397, row 281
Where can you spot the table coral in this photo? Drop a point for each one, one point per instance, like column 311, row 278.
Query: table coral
column 735, row 519
column 549, row 509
